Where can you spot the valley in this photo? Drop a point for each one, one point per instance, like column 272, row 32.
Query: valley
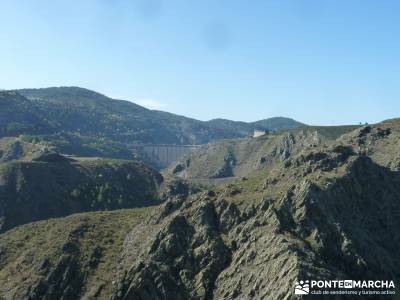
column 199, row 150
column 86, row 215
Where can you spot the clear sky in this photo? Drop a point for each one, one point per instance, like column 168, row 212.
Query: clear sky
column 320, row 62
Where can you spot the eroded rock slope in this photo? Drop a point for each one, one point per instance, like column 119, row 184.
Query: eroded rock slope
column 235, row 158
column 326, row 213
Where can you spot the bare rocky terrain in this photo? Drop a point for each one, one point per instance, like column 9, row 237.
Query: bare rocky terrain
column 326, row 211
column 239, row 157
column 14, row 148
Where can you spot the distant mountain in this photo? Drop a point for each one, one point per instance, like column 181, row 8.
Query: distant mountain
column 239, row 128
column 245, row 129
column 80, row 121
column 71, row 103
column 277, row 123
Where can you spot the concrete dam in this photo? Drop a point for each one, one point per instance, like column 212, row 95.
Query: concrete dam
column 161, row 155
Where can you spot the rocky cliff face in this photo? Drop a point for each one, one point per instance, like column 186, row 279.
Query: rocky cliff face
column 66, row 258
column 325, row 212
column 231, row 158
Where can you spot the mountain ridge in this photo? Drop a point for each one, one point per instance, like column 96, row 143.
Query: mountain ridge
column 53, row 91
column 82, row 122
column 60, row 94
column 328, row 212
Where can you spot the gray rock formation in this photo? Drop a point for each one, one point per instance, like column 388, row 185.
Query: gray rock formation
column 324, row 212
column 336, row 216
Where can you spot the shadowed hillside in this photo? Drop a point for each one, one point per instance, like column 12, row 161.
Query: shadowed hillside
column 52, row 186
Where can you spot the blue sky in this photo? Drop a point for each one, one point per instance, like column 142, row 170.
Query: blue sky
column 320, row 62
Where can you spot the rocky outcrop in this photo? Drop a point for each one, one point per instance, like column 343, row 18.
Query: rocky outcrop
column 64, row 258
column 338, row 219
column 324, row 212
column 226, row 169
column 12, row 148
column 229, row 158
column 183, row 258
column 64, row 279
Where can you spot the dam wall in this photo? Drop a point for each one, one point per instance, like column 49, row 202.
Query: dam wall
column 161, row 155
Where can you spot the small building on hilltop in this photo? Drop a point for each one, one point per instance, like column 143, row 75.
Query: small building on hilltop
column 259, row 132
